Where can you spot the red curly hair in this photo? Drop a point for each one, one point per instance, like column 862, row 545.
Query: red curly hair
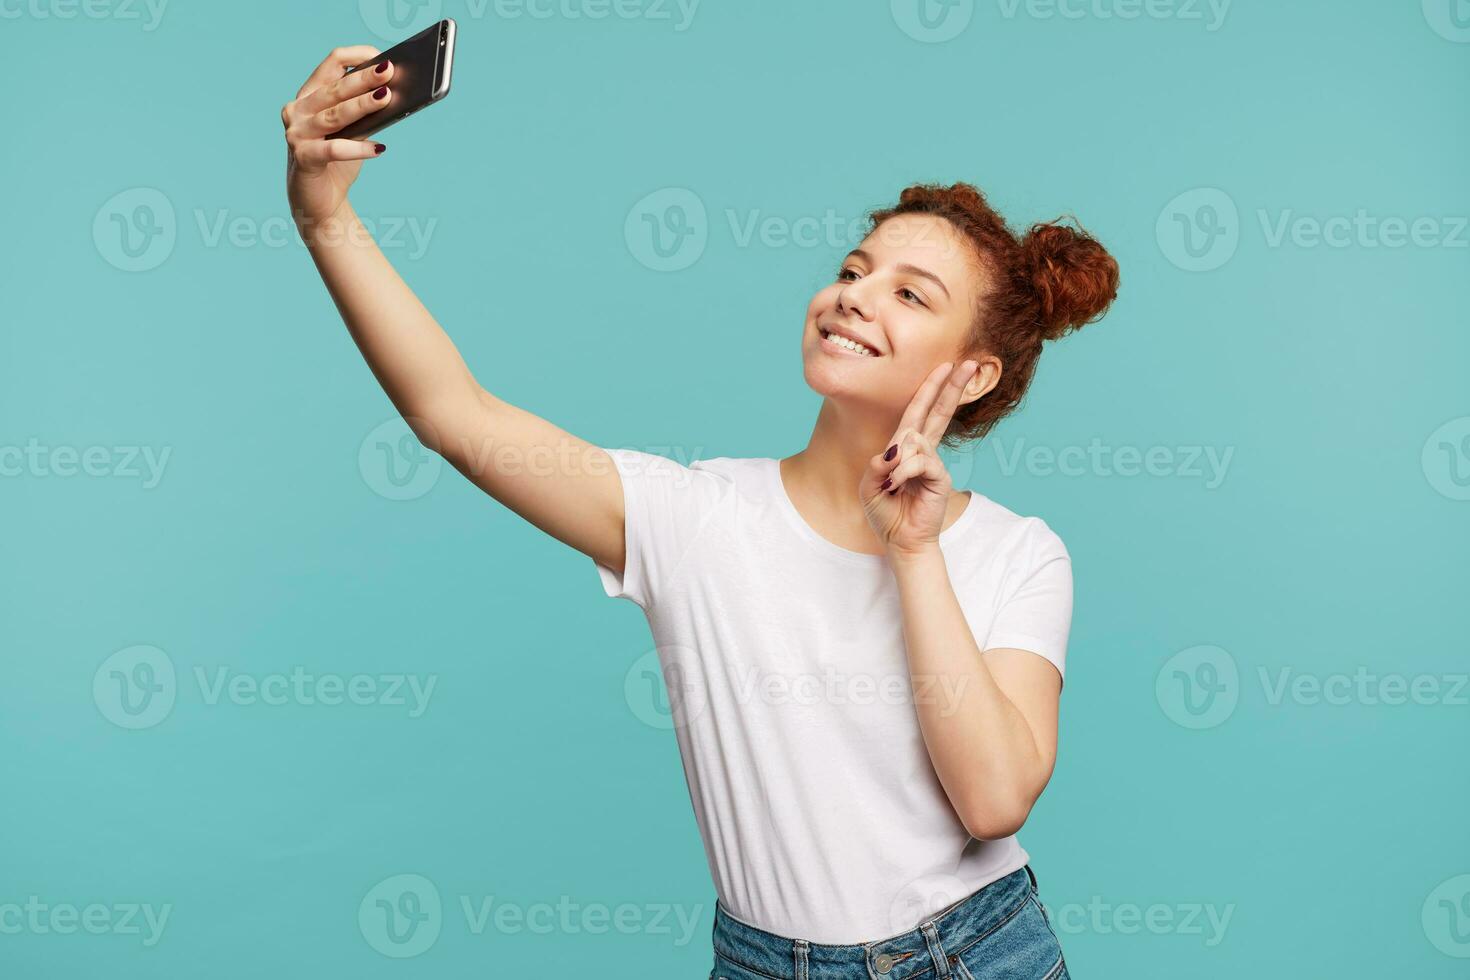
column 1042, row 285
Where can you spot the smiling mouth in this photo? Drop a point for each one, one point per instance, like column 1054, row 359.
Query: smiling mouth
column 844, row 343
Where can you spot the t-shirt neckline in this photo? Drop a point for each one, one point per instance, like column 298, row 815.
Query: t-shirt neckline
column 773, row 471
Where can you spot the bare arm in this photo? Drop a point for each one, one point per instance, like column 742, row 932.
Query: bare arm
column 564, row 485
column 990, row 721
column 991, row 726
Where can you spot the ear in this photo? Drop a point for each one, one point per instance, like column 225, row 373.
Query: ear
column 986, row 377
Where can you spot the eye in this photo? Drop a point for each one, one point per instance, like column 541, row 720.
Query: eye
column 912, row 296
column 847, row 270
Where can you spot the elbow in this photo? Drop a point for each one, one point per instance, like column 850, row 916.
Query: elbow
column 440, row 424
column 996, row 819
column 421, row 423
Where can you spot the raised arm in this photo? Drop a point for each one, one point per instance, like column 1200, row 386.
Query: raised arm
column 992, row 736
column 564, row 485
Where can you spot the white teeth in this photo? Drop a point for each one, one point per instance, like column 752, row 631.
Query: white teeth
column 851, row 345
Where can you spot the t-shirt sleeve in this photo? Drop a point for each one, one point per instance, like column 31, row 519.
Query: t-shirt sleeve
column 1037, row 615
column 665, row 504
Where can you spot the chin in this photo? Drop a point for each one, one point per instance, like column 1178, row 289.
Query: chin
column 834, row 378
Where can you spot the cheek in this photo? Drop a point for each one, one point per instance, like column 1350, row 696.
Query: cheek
column 823, row 302
column 932, row 339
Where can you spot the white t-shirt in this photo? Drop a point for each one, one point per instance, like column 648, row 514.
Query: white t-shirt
column 789, row 692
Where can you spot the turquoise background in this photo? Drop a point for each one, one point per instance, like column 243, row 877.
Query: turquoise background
column 1333, row 835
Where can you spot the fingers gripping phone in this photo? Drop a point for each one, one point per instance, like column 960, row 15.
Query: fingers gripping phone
column 421, row 70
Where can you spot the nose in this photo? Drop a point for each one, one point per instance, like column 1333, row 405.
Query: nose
column 852, row 298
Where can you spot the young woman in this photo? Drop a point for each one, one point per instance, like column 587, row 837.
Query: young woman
column 864, row 663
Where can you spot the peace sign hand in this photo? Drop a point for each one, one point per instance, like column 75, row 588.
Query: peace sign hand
column 905, row 497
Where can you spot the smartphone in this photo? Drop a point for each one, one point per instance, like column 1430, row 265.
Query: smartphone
column 421, row 71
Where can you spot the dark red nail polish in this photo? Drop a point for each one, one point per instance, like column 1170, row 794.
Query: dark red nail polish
column 378, row 147
column 891, row 451
column 382, row 67
column 381, row 93
column 886, row 484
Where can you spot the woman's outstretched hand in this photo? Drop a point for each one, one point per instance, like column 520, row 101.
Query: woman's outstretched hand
column 319, row 170
column 905, row 497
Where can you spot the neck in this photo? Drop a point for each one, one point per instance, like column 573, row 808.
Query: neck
column 829, row 468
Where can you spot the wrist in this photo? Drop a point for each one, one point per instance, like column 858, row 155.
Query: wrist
column 918, row 556
column 325, row 229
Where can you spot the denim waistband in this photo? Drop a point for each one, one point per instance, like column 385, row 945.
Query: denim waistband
column 927, row 951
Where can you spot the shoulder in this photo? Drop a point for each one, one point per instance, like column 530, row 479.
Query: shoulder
column 672, row 474
column 730, row 467
column 1026, row 536
column 749, row 476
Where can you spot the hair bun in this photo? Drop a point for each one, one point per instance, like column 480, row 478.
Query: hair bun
column 1074, row 276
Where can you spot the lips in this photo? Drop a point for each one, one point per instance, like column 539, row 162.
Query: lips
column 849, row 335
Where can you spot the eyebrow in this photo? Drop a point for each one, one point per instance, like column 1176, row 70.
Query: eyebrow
column 912, row 270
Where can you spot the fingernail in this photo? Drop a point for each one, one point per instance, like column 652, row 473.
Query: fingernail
column 886, row 484
column 381, row 93
column 382, row 67
column 378, row 147
column 891, row 451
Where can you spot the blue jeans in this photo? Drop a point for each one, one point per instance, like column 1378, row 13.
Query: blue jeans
column 1001, row 931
